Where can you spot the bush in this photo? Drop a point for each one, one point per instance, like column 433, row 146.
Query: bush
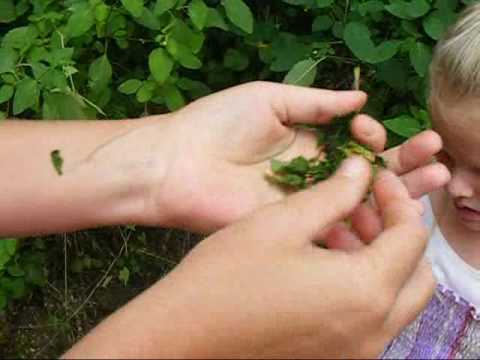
column 87, row 59
column 81, row 59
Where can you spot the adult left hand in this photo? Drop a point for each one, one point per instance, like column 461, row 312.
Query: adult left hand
column 224, row 143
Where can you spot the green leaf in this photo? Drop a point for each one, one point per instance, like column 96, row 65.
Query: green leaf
column 160, row 64
column 130, row 87
column 57, row 161
column 394, row 72
column 65, row 106
column 20, row 38
column 8, row 60
column 239, row 14
column 291, row 180
column 134, row 7
column 303, row 3
column 149, row 20
column 15, row 288
column 198, row 12
column 235, row 60
column 216, row 20
column 338, row 29
column 183, row 55
column 124, row 275
column 37, row 54
column 421, row 56
column 276, row 166
column 322, row 23
column 403, row 125
column 144, row 95
column 15, row 270
column 196, row 89
column 26, row 95
column 449, row 5
column 8, row 247
column 51, row 79
column 6, row 93
column 357, row 37
column 323, row 3
column 58, row 57
column 299, row 166
column 286, row 51
column 100, row 74
column 303, row 73
column 408, row 10
column 173, row 97
column 438, row 22
column 145, row 92
column 79, row 23
column 102, row 11
column 162, row 6
column 370, row 7
column 183, row 34
column 7, row 11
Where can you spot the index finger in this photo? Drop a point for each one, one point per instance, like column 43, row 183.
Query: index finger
column 369, row 132
column 400, row 247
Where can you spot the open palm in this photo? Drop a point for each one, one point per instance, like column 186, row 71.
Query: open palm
column 225, row 142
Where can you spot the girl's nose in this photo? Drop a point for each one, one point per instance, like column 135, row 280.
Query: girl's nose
column 460, row 185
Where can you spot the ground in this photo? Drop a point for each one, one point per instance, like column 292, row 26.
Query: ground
column 104, row 269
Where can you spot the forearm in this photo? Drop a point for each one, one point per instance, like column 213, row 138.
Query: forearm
column 103, row 176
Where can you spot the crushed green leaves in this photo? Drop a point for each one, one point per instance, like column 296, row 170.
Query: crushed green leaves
column 335, row 145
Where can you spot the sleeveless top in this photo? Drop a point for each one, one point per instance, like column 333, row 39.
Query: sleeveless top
column 449, row 328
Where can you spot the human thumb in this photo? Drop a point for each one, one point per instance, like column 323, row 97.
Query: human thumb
column 306, row 214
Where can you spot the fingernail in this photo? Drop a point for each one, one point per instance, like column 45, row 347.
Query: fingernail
column 352, row 167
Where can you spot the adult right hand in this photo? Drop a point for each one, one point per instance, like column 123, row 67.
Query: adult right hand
column 263, row 287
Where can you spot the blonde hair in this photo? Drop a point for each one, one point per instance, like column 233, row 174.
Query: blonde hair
column 455, row 67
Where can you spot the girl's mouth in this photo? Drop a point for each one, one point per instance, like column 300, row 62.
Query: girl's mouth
column 466, row 213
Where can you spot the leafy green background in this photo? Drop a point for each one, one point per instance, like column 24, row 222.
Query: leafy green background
column 94, row 59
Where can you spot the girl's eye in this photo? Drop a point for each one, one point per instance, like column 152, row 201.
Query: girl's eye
column 445, row 159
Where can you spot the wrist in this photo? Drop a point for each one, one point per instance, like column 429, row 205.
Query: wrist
column 130, row 171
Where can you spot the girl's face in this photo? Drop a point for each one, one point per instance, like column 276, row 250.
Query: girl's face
column 458, row 123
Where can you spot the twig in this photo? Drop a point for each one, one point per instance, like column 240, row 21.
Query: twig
column 65, row 275
column 170, row 262
column 80, row 308
column 100, row 282
column 347, row 8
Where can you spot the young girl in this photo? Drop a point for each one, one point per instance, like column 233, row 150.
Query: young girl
column 450, row 325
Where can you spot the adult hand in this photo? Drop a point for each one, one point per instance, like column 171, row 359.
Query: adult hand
column 224, row 144
column 264, row 288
